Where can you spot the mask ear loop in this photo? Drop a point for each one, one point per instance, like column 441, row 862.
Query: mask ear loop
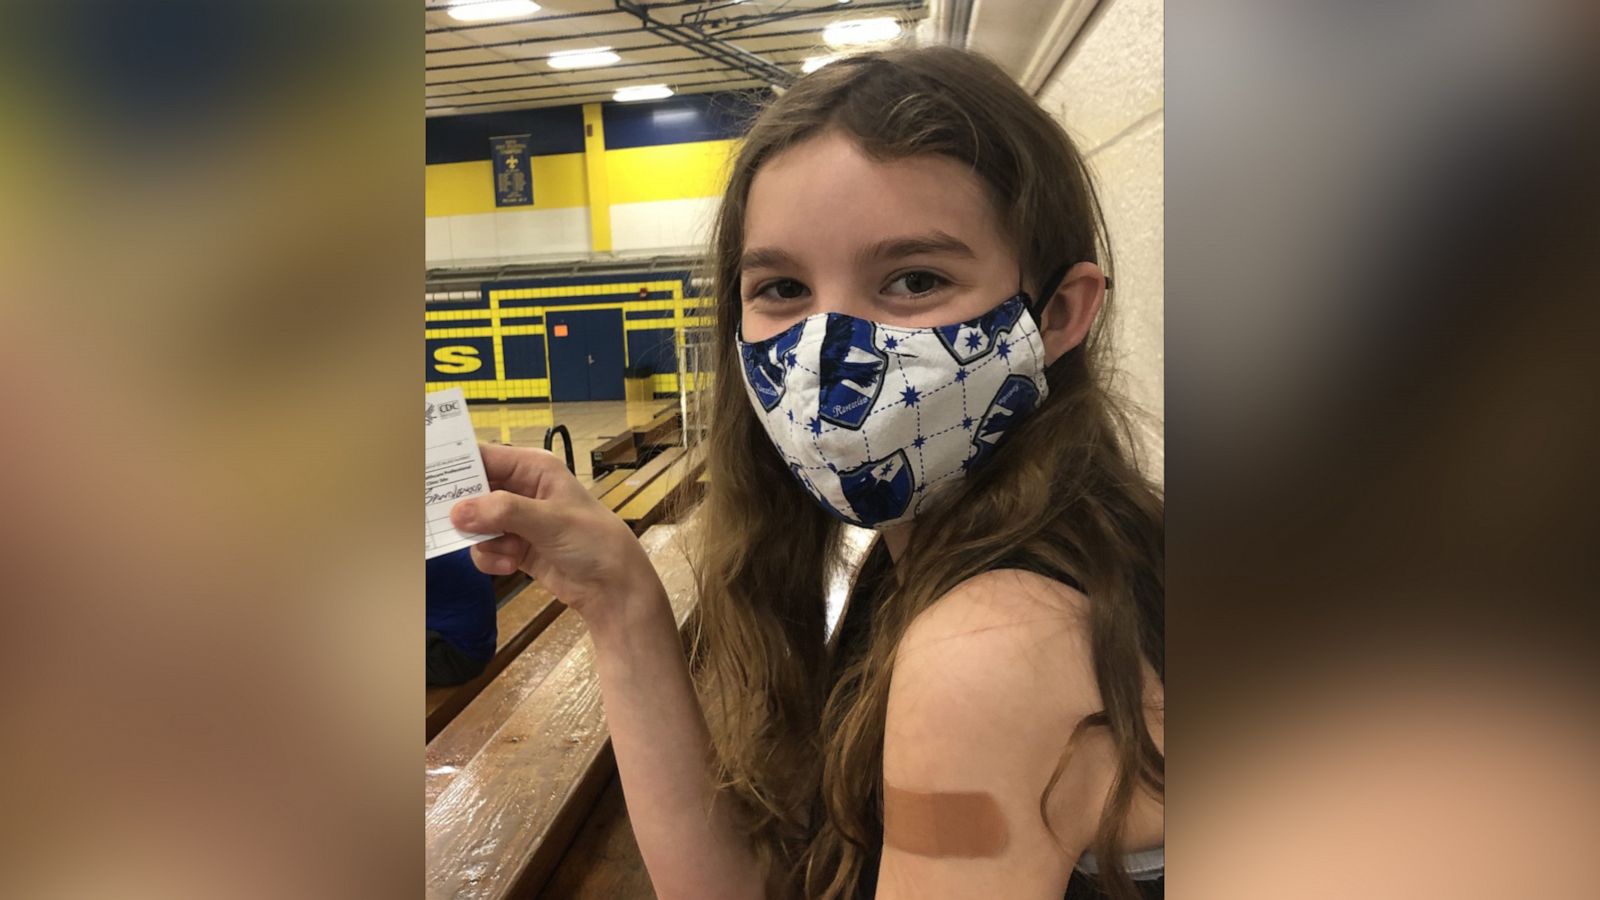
column 1048, row 290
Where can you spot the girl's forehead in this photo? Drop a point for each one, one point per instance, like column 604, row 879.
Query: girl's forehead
column 828, row 189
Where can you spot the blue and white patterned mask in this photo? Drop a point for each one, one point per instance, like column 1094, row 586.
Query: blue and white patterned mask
column 875, row 420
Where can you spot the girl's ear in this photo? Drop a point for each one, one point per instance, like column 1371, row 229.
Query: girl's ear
column 1067, row 315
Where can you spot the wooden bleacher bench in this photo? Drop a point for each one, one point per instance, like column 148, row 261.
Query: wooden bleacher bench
column 655, row 499
column 618, row 452
column 637, row 479
column 663, row 431
column 638, row 445
column 644, row 496
column 603, row 862
column 470, row 731
column 517, row 622
column 514, row 778
column 607, row 482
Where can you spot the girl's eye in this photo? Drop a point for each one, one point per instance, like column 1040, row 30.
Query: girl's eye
column 781, row 289
column 915, row 283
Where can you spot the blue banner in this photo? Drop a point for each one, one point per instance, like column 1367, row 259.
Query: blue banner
column 513, row 176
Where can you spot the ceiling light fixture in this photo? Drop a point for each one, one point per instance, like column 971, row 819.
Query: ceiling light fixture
column 487, row 10
column 642, row 92
column 583, row 59
column 856, row 32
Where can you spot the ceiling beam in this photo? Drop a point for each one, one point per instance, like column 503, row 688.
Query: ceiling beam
column 710, row 47
column 550, row 73
column 715, row 26
column 591, row 96
column 571, row 84
column 644, row 13
column 654, row 46
column 540, row 16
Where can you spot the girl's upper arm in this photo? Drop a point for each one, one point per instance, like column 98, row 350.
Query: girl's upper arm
column 987, row 686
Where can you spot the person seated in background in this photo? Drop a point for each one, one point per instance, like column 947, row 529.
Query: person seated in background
column 461, row 619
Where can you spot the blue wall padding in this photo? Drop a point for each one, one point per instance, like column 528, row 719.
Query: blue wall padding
column 524, row 355
column 452, row 139
column 679, row 120
column 653, row 347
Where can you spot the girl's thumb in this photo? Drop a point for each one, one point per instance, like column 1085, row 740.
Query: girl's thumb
column 501, row 511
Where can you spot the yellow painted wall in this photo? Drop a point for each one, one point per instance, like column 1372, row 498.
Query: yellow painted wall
column 635, row 175
column 597, row 180
column 669, row 171
column 456, row 189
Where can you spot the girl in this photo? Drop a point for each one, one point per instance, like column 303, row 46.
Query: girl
column 909, row 314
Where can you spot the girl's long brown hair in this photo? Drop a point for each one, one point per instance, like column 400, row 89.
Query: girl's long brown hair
column 799, row 723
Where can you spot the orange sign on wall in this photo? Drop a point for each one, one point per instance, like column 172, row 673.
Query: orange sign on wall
column 561, row 331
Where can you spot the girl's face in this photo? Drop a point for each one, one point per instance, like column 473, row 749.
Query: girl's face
column 911, row 242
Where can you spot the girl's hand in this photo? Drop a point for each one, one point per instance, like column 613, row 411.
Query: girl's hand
column 570, row 543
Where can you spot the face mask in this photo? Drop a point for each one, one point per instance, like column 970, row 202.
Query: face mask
column 875, row 421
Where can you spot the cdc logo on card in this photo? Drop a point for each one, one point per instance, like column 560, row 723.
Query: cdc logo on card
column 447, row 409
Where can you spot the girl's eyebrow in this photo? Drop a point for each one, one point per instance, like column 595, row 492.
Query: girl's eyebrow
column 767, row 258
column 887, row 249
column 915, row 245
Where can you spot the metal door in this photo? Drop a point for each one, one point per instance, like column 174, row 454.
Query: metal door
column 586, row 354
column 603, row 336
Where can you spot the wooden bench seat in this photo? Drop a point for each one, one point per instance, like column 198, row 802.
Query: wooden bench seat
column 467, row 734
column 603, row 862
column 663, row 431
column 512, row 779
column 654, row 500
column 517, row 622
column 639, row 478
column 636, row 446
column 620, row 451
column 608, row 481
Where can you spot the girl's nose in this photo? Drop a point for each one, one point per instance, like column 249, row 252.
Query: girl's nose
column 849, row 302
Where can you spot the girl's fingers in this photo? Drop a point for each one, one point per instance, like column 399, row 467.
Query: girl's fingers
column 503, row 511
column 493, row 563
column 522, row 470
column 505, row 545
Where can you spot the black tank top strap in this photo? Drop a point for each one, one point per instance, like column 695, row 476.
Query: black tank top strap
column 1028, row 563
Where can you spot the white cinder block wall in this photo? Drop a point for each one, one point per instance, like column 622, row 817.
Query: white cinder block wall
column 507, row 236
column 659, row 226
column 1108, row 95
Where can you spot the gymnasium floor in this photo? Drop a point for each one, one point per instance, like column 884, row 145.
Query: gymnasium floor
column 524, row 424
